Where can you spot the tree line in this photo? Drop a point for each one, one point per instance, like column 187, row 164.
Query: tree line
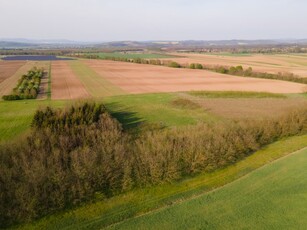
column 76, row 154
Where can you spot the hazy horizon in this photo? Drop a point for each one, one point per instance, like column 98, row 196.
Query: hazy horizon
column 168, row 20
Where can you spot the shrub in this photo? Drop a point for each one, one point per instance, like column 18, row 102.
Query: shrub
column 174, row 65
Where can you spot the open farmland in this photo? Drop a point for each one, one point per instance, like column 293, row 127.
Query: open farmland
column 9, row 83
column 65, row 84
column 138, row 78
column 131, row 55
column 296, row 64
column 273, row 197
column 7, row 69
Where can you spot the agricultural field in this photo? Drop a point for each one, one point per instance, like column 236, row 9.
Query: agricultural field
column 12, row 77
column 7, row 69
column 273, row 197
column 132, row 55
column 271, row 63
column 147, row 100
column 139, row 78
column 16, row 116
column 65, row 84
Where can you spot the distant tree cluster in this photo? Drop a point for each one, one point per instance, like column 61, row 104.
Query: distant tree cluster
column 79, row 153
column 27, row 87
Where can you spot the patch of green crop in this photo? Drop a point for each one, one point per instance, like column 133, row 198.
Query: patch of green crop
column 132, row 110
column 16, row 116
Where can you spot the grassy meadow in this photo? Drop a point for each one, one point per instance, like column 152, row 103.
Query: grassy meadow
column 16, row 116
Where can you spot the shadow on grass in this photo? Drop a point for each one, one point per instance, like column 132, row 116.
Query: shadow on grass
column 124, row 115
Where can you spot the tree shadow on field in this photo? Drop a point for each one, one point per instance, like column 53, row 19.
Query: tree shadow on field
column 124, row 115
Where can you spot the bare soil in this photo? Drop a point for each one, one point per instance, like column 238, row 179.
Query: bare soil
column 64, row 83
column 9, row 68
column 138, row 78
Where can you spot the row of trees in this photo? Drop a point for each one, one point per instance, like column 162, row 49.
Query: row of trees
column 73, row 155
column 27, row 86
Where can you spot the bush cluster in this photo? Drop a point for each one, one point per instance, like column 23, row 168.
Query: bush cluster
column 77, row 154
column 27, row 87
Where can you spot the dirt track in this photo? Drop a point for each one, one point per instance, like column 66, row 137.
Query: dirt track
column 64, row 83
column 138, row 78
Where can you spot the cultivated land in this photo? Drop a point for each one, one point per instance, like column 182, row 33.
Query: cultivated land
column 273, row 197
column 96, row 85
column 132, row 55
column 65, row 84
column 149, row 109
column 16, row 116
column 271, row 63
column 7, row 69
column 138, row 78
column 10, row 82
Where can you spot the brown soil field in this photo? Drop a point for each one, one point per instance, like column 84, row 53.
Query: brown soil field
column 138, row 78
column 261, row 63
column 7, row 85
column 9, row 68
column 246, row 108
column 64, row 83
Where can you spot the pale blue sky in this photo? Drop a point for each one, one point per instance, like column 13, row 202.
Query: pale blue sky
column 105, row 20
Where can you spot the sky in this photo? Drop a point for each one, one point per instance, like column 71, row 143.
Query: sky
column 118, row 20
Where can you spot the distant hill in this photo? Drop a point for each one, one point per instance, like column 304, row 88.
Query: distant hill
column 62, row 43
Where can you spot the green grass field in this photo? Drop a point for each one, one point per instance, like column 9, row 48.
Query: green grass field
column 161, row 110
column 140, row 201
column 154, row 108
column 274, row 197
column 130, row 110
column 16, row 116
column 132, row 55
